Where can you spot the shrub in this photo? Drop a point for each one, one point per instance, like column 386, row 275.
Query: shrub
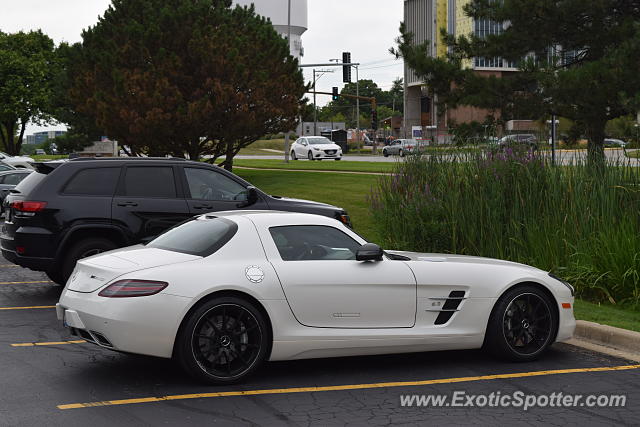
column 580, row 223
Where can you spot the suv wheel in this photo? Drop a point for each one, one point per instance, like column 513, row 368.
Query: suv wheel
column 55, row 276
column 82, row 249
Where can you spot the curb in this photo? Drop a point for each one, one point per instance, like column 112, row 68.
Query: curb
column 609, row 336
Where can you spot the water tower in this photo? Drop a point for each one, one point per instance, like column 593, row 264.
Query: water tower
column 277, row 11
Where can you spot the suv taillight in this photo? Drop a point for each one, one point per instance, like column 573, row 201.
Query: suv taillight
column 132, row 288
column 22, row 206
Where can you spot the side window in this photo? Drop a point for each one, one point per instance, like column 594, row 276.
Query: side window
column 14, row 178
column 206, row 184
column 150, row 181
column 313, row 243
column 93, row 182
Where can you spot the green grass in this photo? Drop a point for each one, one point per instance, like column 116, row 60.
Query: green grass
column 343, row 190
column 635, row 154
column 606, row 314
column 259, row 147
column 45, row 157
column 325, row 165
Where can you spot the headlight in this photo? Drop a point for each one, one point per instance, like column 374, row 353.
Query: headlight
column 564, row 282
column 316, row 148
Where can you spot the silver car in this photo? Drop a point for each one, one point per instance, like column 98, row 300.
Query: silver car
column 400, row 147
column 8, row 181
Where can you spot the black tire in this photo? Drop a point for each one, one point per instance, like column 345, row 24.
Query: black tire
column 56, row 277
column 338, row 159
column 82, row 249
column 523, row 324
column 210, row 329
column 310, row 155
column 385, row 153
column 401, row 153
column 293, row 155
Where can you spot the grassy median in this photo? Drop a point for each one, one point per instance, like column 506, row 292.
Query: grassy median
column 324, row 165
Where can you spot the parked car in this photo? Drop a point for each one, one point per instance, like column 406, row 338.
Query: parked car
column 401, row 147
column 69, row 210
column 8, row 181
column 519, row 140
column 611, row 142
column 297, row 286
column 20, row 162
column 40, row 152
column 6, row 167
column 315, row 148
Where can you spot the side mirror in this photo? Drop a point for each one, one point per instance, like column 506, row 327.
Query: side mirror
column 252, row 197
column 369, row 252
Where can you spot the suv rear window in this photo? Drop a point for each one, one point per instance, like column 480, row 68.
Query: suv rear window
column 94, row 182
column 29, row 183
column 201, row 237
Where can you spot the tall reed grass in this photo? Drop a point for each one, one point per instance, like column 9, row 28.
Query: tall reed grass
column 580, row 222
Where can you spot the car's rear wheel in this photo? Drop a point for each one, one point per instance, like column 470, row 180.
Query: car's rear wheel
column 223, row 341
column 523, row 324
column 293, row 155
column 82, row 249
column 56, row 276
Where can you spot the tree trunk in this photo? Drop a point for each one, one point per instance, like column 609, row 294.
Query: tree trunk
column 18, row 143
column 228, row 161
column 596, row 135
column 9, row 142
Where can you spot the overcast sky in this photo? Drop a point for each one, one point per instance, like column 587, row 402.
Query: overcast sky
column 367, row 28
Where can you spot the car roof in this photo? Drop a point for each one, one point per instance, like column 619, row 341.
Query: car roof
column 269, row 218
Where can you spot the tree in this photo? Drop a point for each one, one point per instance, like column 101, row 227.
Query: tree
column 27, row 67
column 180, row 77
column 577, row 59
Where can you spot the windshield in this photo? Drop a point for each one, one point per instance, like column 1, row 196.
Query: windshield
column 319, row 141
column 200, row 237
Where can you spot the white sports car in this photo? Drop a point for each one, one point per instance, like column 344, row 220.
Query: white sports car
column 226, row 291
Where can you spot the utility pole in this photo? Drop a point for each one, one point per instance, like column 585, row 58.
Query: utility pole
column 315, row 105
column 287, row 135
column 358, row 108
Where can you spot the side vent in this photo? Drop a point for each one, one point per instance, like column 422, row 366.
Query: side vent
column 450, row 306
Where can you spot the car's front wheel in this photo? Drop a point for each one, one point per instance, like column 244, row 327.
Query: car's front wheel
column 223, row 341
column 310, row 155
column 293, row 155
column 523, row 324
column 385, row 153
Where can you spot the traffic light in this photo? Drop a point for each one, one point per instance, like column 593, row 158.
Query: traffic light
column 374, row 120
column 346, row 69
column 336, row 95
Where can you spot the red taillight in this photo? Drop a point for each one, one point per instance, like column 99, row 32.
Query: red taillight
column 28, row 206
column 132, row 288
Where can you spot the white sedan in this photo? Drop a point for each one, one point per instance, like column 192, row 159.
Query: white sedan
column 315, row 148
column 225, row 292
column 19, row 162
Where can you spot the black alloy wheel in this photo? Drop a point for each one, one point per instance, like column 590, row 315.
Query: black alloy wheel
column 223, row 341
column 523, row 324
column 527, row 324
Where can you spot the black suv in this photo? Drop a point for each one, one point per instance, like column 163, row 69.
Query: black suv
column 68, row 210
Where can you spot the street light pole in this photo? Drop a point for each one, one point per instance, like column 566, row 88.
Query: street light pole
column 288, row 134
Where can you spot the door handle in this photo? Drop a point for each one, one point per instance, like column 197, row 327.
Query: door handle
column 127, row 204
column 202, row 207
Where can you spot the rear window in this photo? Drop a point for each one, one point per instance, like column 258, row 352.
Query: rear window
column 201, row 237
column 93, row 182
column 29, row 183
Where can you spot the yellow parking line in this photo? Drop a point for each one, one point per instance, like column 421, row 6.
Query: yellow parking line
column 25, row 283
column 343, row 387
column 27, row 308
column 31, row 344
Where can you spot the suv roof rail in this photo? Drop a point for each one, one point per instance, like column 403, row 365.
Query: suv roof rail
column 84, row 159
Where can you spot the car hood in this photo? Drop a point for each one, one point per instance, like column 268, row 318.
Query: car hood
column 461, row 259
column 94, row 272
column 18, row 159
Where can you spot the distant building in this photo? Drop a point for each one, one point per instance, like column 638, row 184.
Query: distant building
column 425, row 19
column 277, row 11
column 42, row 137
column 306, row 128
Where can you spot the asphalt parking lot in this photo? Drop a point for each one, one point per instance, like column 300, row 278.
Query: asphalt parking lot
column 47, row 380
